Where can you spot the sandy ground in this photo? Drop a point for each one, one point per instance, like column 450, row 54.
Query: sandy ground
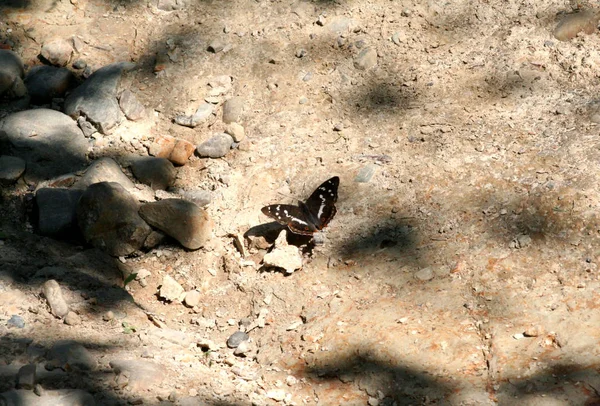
column 464, row 272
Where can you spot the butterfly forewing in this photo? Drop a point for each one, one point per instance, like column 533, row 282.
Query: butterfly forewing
column 309, row 217
column 321, row 203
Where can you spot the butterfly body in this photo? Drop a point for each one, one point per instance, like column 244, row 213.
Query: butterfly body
column 310, row 216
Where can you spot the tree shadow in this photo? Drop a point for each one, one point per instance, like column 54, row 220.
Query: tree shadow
column 391, row 384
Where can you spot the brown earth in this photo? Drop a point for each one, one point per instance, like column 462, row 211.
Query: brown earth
column 478, row 225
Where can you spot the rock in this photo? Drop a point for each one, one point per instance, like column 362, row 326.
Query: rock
column 26, row 378
column 158, row 173
column 584, row 21
column 521, row 241
column 45, row 83
column 216, row 45
column 87, row 128
column 138, row 375
column 104, row 170
column 56, row 209
column 72, row 319
column 131, row 106
column 154, row 239
column 11, row 169
column 534, row 331
column 96, row 98
column 283, row 256
column 108, row 218
column 276, row 394
column 48, row 140
column 66, row 354
column 170, row 290
column 237, row 338
column 343, row 25
column 175, row 150
column 243, row 349
column 173, row 336
column 16, row 322
column 365, row 173
column 11, row 71
column 180, row 219
column 425, row 274
column 201, row 198
column 366, row 59
column 79, row 64
column 232, row 110
column 170, row 5
column 236, row 131
column 60, row 397
column 54, row 297
column 216, row 147
column 192, row 298
column 202, row 113
column 57, row 52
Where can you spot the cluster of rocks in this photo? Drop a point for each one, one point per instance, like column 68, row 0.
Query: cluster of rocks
column 49, row 148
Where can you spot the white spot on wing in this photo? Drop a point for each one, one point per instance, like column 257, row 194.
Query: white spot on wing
column 321, row 210
column 299, row 221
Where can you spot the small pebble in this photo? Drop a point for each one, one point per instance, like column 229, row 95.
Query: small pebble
column 301, row 53
column 16, row 321
column 237, row 338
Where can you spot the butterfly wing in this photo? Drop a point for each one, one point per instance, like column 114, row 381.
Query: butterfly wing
column 321, row 204
column 291, row 216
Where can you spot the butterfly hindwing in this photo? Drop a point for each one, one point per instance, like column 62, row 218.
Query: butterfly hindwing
column 321, row 204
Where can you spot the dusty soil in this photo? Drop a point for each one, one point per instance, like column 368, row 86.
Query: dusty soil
column 463, row 272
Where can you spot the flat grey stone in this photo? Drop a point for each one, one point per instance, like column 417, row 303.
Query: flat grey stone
column 201, row 198
column 45, row 83
column 216, row 147
column 96, row 98
column 11, row 169
column 170, row 5
column 57, row 210
column 108, row 218
column 131, row 106
column 48, row 140
column 180, row 219
column 232, row 110
column 158, row 173
column 425, row 274
column 203, row 112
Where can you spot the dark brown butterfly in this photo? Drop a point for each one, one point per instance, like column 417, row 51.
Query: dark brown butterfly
column 312, row 216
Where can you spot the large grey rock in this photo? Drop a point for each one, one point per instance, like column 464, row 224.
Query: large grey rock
column 96, row 98
column 180, row 219
column 216, row 147
column 11, row 169
column 47, row 82
column 11, row 72
column 50, row 142
column 366, row 59
column 159, row 173
column 104, row 170
column 60, row 397
column 108, row 218
column 56, row 210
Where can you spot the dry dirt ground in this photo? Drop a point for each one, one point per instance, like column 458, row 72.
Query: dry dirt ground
column 464, row 272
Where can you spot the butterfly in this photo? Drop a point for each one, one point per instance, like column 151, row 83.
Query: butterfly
column 312, row 216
